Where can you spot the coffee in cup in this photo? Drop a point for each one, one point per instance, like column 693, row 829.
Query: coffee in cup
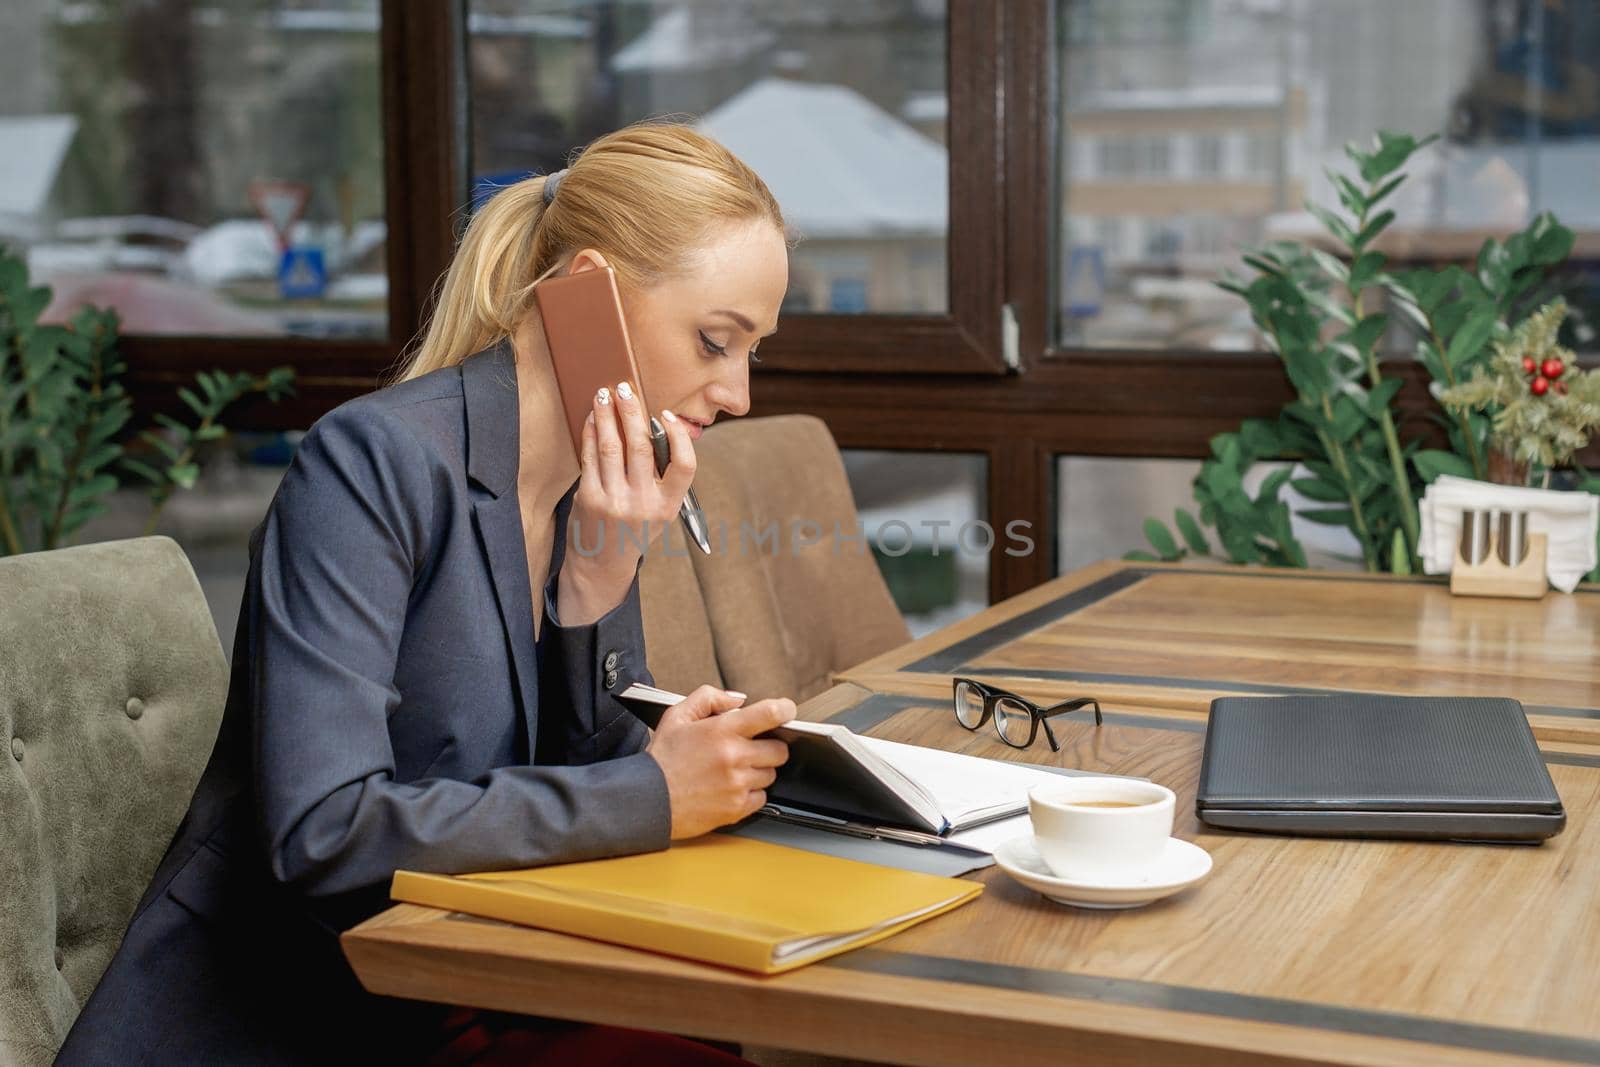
column 1099, row 829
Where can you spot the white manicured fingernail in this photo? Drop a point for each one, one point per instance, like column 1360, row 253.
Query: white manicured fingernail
column 735, row 693
column 669, row 416
column 603, row 397
column 624, row 390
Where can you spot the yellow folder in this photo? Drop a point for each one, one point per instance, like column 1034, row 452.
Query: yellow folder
column 721, row 899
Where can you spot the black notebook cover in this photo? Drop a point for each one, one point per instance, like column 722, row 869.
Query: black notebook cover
column 1373, row 765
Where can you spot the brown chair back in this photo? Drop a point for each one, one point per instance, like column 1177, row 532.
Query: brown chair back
column 790, row 594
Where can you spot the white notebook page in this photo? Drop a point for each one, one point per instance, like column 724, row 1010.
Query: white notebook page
column 963, row 785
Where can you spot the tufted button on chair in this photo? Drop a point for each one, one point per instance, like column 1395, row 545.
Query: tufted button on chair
column 112, row 684
column 790, row 594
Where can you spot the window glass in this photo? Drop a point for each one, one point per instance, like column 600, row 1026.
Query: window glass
column 1213, row 121
column 1104, row 502
column 840, row 106
column 203, row 168
column 923, row 515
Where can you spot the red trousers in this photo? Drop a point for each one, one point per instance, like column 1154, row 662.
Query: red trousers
column 483, row 1039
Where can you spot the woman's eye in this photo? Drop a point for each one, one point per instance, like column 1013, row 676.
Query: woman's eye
column 711, row 347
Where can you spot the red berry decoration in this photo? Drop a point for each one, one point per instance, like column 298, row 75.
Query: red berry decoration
column 1553, row 367
column 1540, row 386
column 1529, row 366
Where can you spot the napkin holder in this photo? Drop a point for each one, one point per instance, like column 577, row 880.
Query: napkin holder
column 1491, row 577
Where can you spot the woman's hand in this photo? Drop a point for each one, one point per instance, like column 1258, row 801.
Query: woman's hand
column 717, row 771
column 620, row 506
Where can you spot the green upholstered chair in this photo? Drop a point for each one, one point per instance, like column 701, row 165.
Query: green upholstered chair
column 112, row 684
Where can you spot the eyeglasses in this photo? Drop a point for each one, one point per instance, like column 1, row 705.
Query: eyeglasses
column 1016, row 719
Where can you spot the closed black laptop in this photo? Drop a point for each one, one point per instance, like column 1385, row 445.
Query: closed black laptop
column 1367, row 765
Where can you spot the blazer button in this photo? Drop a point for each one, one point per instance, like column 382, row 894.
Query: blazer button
column 135, row 707
column 612, row 659
column 611, row 680
column 16, row 748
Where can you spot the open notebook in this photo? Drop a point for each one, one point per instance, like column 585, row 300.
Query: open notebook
column 836, row 773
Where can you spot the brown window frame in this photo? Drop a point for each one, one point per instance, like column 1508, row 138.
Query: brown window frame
column 951, row 385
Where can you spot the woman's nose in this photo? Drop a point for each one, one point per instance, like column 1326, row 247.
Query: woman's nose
column 732, row 393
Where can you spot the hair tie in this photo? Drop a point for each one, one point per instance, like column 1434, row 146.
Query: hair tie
column 551, row 183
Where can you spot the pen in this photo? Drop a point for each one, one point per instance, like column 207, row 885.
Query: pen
column 876, row 833
column 694, row 520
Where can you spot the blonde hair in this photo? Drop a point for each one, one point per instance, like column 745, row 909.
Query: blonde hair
column 645, row 196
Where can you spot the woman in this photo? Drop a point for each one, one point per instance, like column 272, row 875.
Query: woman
column 424, row 677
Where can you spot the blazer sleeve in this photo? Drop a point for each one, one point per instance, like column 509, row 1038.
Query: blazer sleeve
column 330, row 587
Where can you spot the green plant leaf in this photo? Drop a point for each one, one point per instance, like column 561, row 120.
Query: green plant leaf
column 1399, row 557
column 1494, row 266
column 1155, row 531
column 1469, row 339
column 1364, row 334
column 1430, row 463
column 1139, row 556
column 1379, row 397
column 1374, row 226
column 1191, row 532
column 1319, row 490
column 1329, row 516
column 1273, row 484
column 184, row 474
column 91, row 489
column 174, row 425
column 1333, row 223
column 1552, row 242
column 194, row 402
column 144, row 470
column 1331, row 265
column 1365, row 269
column 1350, row 194
column 1385, row 189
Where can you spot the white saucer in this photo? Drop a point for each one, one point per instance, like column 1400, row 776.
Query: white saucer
column 1180, row 866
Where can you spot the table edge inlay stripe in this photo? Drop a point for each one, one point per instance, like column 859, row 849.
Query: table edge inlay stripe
column 1245, row 1007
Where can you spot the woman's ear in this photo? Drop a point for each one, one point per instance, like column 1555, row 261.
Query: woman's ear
column 587, row 259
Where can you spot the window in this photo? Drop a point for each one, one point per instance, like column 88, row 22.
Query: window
column 840, row 106
column 1268, row 94
column 213, row 171
column 924, row 518
column 1208, row 155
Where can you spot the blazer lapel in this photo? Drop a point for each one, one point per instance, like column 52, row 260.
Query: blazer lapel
column 489, row 385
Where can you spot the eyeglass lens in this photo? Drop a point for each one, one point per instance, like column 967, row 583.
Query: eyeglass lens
column 1013, row 720
column 969, row 706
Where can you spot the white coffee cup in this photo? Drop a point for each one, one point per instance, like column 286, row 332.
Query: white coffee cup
column 1099, row 829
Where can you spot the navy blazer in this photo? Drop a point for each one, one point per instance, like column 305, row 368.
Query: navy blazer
column 389, row 708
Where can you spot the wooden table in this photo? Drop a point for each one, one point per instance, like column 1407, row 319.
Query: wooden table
column 1295, row 950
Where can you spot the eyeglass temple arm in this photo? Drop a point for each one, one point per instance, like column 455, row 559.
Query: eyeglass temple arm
column 1071, row 705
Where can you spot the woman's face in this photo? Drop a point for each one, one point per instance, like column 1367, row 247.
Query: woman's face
column 693, row 334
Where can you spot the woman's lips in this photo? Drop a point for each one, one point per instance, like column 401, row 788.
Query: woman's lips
column 695, row 429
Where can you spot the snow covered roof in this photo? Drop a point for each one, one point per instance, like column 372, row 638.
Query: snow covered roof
column 31, row 150
column 672, row 43
column 1190, row 98
column 839, row 165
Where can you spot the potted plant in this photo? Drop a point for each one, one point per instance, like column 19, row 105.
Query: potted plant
column 64, row 413
column 1326, row 312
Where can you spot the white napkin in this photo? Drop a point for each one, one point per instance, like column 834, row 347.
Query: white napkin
column 1568, row 520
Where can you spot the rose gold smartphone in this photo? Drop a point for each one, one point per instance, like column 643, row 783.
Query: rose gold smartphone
column 588, row 339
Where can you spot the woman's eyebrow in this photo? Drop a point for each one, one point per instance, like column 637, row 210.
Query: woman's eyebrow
column 744, row 323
